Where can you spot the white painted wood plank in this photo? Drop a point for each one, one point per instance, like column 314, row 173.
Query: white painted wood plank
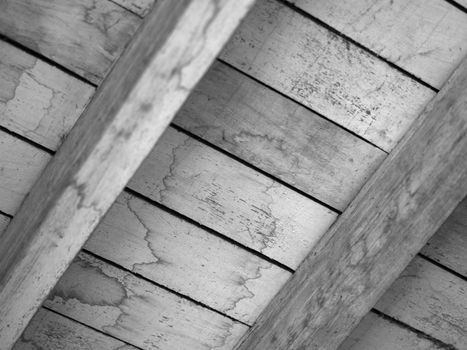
column 375, row 332
column 326, row 73
column 430, row 299
column 428, row 38
column 279, row 136
column 449, row 245
column 20, row 166
column 225, row 195
column 37, row 100
column 170, row 251
column 50, row 331
column 61, row 30
column 131, row 309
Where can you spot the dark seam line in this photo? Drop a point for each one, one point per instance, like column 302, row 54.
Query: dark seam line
column 457, row 5
column 208, row 229
column 419, row 333
column 254, row 168
column 5, row 214
column 26, row 140
column 90, row 327
column 47, row 60
column 183, row 296
column 300, row 104
column 126, row 9
column 356, row 43
column 447, row 269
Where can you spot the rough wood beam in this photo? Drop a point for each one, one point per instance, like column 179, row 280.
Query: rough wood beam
column 170, row 53
column 390, row 220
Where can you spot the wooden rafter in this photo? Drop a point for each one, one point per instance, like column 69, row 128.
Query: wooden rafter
column 390, row 220
column 172, row 50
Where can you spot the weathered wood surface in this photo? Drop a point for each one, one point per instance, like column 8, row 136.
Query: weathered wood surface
column 326, row 73
column 134, row 310
column 428, row 38
column 120, row 126
column 18, row 145
column 231, row 198
column 50, row 331
column 20, row 166
column 37, row 100
column 449, row 245
column 174, row 253
column 318, row 69
column 393, row 216
column 326, row 161
column 165, row 249
column 375, row 332
column 205, row 185
column 61, row 30
column 279, row 136
column 124, row 243
column 429, row 299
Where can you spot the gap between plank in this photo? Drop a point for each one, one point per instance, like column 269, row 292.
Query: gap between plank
column 161, row 286
column 457, row 5
column 89, row 327
column 47, row 60
column 419, row 333
column 207, row 229
column 128, row 9
column 253, row 167
column 356, row 43
column 301, row 105
column 445, row 268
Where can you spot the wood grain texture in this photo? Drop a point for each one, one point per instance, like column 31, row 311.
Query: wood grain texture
column 326, row 73
column 21, row 165
column 172, row 252
column 425, row 37
column 375, row 332
column 61, row 30
column 38, row 101
column 148, row 84
column 429, row 299
column 48, row 330
column 134, row 310
column 449, row 245
column 231, row 198
column 279, row 136
column 413, row 192
column 140, row 7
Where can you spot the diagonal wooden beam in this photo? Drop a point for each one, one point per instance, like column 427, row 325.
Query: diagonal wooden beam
column 390, row 220
column 172, row 50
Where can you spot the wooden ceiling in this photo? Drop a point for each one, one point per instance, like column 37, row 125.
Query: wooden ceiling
column 280, row 150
